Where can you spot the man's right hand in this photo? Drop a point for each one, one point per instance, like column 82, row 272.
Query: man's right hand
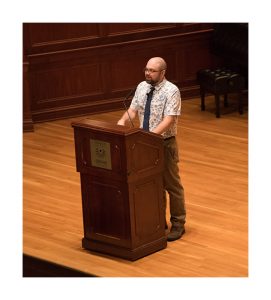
column 121, row 122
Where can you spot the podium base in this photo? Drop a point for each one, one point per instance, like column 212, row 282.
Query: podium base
column 126, row 253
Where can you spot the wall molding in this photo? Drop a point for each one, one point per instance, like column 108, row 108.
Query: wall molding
column 79, row 75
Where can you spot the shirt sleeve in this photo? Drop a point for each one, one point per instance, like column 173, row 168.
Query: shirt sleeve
column 173, row 105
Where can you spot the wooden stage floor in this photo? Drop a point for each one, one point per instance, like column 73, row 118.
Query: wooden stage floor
column 214, row 172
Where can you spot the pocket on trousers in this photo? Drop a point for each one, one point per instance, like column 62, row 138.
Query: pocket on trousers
column 173, row 152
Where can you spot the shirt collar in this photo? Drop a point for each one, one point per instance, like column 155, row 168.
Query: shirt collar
column 160, row 85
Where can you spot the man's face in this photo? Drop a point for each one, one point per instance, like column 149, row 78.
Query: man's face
column 153, row 73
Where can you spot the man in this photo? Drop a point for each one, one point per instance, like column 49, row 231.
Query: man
column 157, row 102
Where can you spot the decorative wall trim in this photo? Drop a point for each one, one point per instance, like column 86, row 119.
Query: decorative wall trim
column 75, row 72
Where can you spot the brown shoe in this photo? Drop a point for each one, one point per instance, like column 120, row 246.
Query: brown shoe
column 175, row 233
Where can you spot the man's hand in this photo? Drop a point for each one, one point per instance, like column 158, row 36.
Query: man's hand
column 121, row 122
column 132, row 113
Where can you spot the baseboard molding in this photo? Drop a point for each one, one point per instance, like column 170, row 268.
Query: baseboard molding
column 93, row 107
column 28, row 125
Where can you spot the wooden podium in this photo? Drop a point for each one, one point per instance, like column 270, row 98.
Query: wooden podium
column 122, row 188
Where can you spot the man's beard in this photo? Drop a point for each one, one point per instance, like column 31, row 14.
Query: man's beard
column 150, row 81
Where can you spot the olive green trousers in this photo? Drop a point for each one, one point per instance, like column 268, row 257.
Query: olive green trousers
column 172, row 183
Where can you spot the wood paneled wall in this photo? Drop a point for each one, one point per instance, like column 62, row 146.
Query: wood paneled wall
column 81, row 68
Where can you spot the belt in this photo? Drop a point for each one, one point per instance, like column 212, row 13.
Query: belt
column 169, row 138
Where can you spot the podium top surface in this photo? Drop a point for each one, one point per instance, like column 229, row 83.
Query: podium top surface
column 112, row 128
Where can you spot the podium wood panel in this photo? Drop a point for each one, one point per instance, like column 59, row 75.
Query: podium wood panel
column 121, row 171
column 213, row 167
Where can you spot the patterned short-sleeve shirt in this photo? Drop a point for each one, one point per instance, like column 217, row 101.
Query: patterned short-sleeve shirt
column 166, row 101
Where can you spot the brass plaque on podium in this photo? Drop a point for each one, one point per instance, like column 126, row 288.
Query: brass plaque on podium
column 100, row 154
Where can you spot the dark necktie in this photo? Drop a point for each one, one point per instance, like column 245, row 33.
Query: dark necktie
column 148, row 110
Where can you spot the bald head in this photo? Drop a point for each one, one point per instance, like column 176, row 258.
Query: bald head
column 158, row 62
column 155, row 70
